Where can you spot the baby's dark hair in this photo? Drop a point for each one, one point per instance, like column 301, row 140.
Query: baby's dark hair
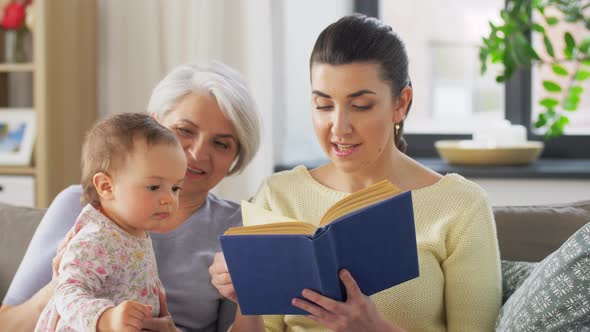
column 109, row 142
column 359, row 38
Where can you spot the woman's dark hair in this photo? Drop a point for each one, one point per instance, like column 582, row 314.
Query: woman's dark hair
column 359, row 38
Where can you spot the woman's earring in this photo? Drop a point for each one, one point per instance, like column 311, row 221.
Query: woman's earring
column 396, row 129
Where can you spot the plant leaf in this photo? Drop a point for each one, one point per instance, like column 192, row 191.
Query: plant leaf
column 559, row 70
column 576, row 90
column 582, row 75
column 572, row 16
column 537, row 4
column 563, row 120
column 538, row 28
column 483, row 57
column 571, row 103
column 505, row 15
column 548, row 134
column 532, row 54
column 551, row 86
column 493, row 27
column 549, row 102
column 548, row 46
column 570, row 45
column 523, row 54
column 556, row 128
column 552, row 20
column 569, row 40
column 541, row 120
column 584, row 46
column 495, row 57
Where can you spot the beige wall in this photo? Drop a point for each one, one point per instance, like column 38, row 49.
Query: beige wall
column 534, row 191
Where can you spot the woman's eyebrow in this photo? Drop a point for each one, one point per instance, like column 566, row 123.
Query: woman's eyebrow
column 220, row 135
column 360, row 93
column 352, row 95
column 189, row 122
column 321, row 94
column 226, row 136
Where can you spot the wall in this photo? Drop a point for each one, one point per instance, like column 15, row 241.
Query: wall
column 141, row 40
column 270, row 42
column 534, row 191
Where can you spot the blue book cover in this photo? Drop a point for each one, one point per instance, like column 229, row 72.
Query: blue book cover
column 377, row 244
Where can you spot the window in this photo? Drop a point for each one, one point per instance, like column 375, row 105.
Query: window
column 296, row 28
column 579, row 120
column 442, row 40
column 451, row 97
column 520, row 93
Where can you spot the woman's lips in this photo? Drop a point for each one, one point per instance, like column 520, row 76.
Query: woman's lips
column 195, row 173
column 344, row 150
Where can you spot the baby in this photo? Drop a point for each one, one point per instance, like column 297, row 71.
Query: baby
column 132, row 171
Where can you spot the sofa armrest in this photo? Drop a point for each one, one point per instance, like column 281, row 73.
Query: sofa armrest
column 17, row 226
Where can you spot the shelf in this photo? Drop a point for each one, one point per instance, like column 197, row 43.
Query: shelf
column 58, row 82
column 16, row 67
column 572, row 169
column 541, row 169
column 17, row 170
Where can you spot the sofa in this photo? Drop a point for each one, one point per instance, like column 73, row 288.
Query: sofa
column 525, row 233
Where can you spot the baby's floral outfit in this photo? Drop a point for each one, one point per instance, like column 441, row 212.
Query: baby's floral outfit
column 102, row 266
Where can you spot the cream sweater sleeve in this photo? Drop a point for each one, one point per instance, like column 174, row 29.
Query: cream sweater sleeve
column 261, row 198
column 472, row 273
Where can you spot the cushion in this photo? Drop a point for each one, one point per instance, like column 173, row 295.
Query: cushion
column 531, row 233
column 513, row 275
column 556, row 295
column 17, row 225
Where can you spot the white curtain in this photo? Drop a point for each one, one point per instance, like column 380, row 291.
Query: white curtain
column 141, row 40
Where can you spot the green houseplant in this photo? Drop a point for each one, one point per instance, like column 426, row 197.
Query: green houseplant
column 509, row 44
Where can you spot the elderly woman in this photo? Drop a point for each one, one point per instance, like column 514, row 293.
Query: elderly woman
column 211, row 112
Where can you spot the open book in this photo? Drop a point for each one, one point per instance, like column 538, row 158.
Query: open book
column 370, row 232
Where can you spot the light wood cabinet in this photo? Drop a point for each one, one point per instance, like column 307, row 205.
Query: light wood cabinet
column 60, row 85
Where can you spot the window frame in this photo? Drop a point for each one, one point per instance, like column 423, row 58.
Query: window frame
column 518, row 110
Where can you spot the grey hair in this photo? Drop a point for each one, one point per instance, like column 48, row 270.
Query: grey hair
column 231, row 93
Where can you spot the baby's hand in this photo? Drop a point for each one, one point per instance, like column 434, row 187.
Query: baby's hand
column 127, row 317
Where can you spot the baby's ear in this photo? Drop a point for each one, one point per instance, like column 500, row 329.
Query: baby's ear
column 103, row 185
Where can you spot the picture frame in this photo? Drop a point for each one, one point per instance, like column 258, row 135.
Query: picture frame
column 17, row 136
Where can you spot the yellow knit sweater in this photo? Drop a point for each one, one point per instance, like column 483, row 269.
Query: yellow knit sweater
column 459, row 288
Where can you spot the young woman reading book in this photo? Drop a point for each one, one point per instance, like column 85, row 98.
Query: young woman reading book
column 361, row 95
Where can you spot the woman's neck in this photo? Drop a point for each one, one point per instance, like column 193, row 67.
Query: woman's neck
column 398, row 168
